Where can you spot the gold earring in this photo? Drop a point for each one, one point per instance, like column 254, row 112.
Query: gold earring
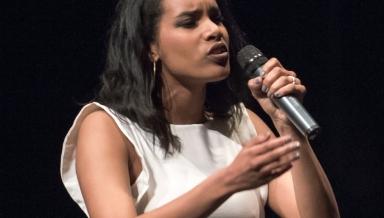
column 154, row 68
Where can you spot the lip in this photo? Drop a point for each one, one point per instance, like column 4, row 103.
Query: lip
column 218, row 48
column 218, row 53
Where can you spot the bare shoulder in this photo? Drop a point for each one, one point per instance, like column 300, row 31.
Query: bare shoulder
column 99, row 131
column 102, row 167
column 99, row 120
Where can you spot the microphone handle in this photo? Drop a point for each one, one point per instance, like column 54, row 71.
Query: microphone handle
column 295, row 112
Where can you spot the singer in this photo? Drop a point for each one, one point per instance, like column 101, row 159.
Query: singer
column 168, row 135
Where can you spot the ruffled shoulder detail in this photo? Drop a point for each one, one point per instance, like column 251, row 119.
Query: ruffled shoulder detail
column 68, row 156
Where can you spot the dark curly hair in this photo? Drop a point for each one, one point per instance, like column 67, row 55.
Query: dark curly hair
column 130, row 88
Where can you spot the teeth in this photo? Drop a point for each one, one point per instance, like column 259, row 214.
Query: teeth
column 220, row 50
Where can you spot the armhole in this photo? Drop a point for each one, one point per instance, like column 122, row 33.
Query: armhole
column 68, row 155
column 245, row 126
column 247, row 123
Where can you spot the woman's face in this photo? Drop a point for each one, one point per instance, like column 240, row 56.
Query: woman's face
column 192, row 42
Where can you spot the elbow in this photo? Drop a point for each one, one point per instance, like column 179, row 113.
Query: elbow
column 332, row 211
column 335, row 212
column 321, row 211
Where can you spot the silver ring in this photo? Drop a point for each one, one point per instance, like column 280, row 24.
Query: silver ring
column 293, row 80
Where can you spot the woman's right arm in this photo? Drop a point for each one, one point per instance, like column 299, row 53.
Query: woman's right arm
column 103, row 173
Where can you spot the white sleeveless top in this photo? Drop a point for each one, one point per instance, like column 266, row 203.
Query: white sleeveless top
column 205, row 148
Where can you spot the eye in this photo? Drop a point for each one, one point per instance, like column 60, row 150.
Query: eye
column 215, row 15
column 187, row 23
column 217, row 18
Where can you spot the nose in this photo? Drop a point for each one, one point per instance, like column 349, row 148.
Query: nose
column 213, row 31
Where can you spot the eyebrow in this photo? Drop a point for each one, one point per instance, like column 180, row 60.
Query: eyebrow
column 198, row 12
column 193, row 13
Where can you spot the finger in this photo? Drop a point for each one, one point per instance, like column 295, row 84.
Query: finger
column 272, row 174
column 281, row 163
column 270, row 64
column 254, row 86
column 270, row 145
column 273, row 75
column 281, row 170
column 290, row 149
column 265, row 179
column 259, row 139
column 281, row 82
column 291, row 89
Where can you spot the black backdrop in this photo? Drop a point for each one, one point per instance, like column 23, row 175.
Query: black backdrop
column 52, row 53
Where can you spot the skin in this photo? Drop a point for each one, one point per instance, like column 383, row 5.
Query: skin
column 182, row 46
column 107, row 164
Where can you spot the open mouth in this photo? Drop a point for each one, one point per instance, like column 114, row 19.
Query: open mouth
column 218, row 48
column 219, row 53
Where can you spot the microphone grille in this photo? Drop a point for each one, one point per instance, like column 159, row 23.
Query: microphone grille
column 250, row 54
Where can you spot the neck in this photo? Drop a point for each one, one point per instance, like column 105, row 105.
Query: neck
column 184, row 105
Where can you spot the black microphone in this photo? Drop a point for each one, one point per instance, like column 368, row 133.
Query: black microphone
column 251, row 59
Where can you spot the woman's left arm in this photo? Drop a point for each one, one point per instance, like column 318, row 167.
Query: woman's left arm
column 307, row 181
column 304, row 191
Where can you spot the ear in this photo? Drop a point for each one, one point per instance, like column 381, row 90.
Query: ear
column 154, row 53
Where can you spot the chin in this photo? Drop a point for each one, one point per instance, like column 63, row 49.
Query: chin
column 220, row 74
column 217, row 78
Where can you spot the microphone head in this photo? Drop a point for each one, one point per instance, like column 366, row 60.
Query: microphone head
column 250, row 55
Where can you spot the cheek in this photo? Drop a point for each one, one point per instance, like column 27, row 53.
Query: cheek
column 183, row 55
column 177, row 49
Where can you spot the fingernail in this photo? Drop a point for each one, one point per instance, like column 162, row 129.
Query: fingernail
column 257, row 81
column 264, row 88
column 295, row 145
column 275, row 171
column 277, row 95
column 297, row 154
column 262, row 72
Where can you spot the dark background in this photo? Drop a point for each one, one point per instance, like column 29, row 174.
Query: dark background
column 52, row 53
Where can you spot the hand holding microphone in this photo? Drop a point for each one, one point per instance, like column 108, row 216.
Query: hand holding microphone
column 278, row 85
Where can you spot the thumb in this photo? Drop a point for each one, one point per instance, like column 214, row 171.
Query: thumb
column 254, row 86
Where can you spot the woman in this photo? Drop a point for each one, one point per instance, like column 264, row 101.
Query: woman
column 169, row 136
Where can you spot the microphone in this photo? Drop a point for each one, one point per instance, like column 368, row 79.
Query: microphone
column 251, row 59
